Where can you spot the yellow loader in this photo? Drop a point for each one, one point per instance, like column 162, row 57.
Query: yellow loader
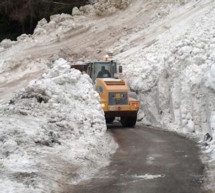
column 115, row 96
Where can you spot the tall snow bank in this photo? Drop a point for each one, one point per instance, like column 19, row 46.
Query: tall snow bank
column 175, row 79
column 52, row 132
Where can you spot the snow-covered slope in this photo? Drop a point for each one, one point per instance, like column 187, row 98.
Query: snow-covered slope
column 166, row 48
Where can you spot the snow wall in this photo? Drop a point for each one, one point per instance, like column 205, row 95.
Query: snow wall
column 175, row 80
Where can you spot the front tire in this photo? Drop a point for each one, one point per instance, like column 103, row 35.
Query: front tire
column 109, row 119
column 128, row 121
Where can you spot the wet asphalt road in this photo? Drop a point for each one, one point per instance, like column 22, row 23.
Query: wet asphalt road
column 148, row 161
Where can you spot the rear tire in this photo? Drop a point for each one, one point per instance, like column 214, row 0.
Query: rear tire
column 109, row 119
column 128, row 121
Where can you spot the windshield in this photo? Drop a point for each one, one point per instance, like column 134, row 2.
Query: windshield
column 103, row 70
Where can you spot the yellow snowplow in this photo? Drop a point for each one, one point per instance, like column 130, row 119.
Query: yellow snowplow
column 115, row 96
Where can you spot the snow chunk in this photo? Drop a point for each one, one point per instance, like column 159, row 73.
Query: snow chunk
column 6, row 43
column 76, row 11
column 210, row 78
column 23, row 37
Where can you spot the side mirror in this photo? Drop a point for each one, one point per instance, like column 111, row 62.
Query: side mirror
column 89, row 69
column 120, row 69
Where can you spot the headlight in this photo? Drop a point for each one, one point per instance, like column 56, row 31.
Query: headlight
column 103, row 105
column 136, row 105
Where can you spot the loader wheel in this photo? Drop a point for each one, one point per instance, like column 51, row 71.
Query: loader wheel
column 109, row 119
column 128, row 121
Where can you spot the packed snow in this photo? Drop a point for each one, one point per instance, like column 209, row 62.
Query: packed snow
column 54, row 126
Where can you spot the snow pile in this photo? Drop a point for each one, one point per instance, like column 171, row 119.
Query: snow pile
column 102, row 7
column 59, row 23
column 107, row 7
column 52, row 132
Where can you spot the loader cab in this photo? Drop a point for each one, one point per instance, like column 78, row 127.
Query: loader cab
column 110, row 67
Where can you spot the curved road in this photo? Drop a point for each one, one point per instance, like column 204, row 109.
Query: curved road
column 148, row 161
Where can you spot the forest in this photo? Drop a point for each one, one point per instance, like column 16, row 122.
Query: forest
column 21, row 16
